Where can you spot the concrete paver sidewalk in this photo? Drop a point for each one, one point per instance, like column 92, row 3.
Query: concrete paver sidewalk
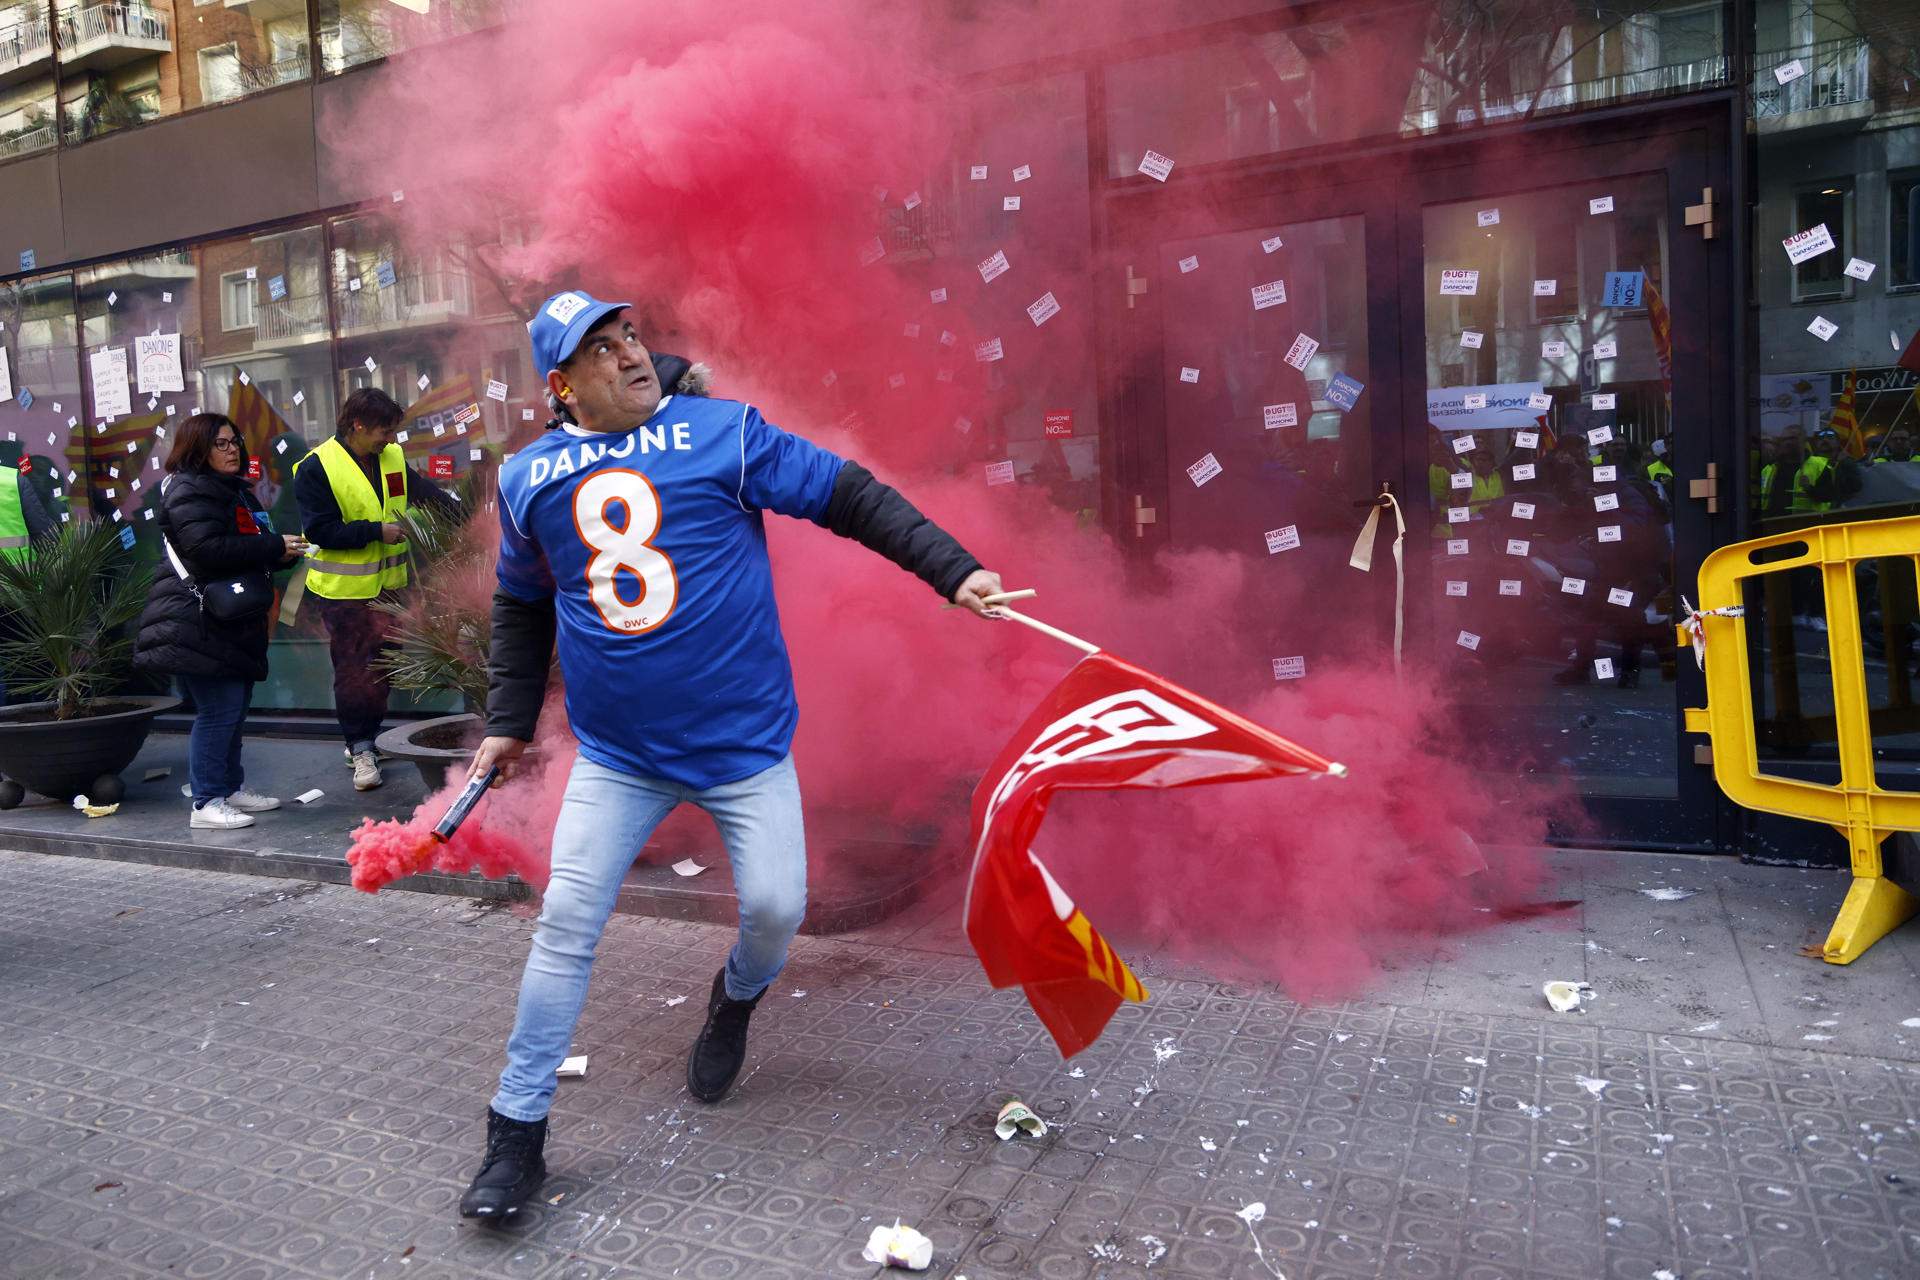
column 216, row 1076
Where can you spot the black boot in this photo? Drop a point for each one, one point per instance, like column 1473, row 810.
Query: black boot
column 722, row 1046
column 512, row 1170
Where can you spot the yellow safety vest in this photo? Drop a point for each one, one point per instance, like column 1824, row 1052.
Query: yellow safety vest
column 363, row 573
column 1810, row 471
column 1485, row 489
column 14, row 543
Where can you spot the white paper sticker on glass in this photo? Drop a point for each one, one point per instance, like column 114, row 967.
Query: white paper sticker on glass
column 1204, row 470
column 1281, row 415
column 1043, row 308
column 1302, row 351
column 994, row 267
column 1189, row 263
column 1459, row 284
column 1156, row 166
column 1271, row 294
column 1285, row 538
column 1526, row 439
column 1524, row 470
column 1605, row 399
column 1471, row 339
column 1599, row 435
column 1810, row 243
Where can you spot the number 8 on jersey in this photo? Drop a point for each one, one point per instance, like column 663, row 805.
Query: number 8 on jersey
column 625, row 547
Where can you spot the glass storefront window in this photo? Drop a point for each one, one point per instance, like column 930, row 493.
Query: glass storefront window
column 353, row 32
column 1837, row 361
column 39, row 347
column 229, row 50
column 1424, row 67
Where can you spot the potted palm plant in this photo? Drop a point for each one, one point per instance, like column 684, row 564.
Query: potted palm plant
column 67, row 615
column 442, row 633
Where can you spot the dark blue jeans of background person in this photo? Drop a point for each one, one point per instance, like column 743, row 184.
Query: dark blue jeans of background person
column 213, row 748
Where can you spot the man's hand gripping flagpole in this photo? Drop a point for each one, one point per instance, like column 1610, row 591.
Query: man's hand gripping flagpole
column 1107, row 725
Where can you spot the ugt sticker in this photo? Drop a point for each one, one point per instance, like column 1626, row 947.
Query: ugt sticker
column 1459, row 284
column 1271, row 294
column 1302, row 351
column 1293, row 668
column 1810, row 243
column 1285, row 538
column 1282, row 415
column 1204, row 470
column 1156, row 166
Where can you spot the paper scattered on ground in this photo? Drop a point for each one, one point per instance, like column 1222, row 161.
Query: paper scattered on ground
column 687, row 867
column 898, row 1246
column 154, row 775
column 1591, row 1085
column 1017, row 1117
column 1668, row 895
column 1565, row 996
column 308, row 797
column 672, row 1001
column 572, row 1067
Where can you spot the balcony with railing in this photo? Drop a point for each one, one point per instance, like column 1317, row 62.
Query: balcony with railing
column 1837, row 86
column 104, row 36
column 412, row 301
column 257, row 76
column 33, row 138
column 1438, row 108
column 26, row 51
column 290, row 321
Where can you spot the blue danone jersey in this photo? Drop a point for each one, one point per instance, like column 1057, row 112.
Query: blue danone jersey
column 651, row 544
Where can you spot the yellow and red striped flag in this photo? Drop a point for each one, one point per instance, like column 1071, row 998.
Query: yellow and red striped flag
column 1661, row 322
column 260, row 424
column 1845, row 423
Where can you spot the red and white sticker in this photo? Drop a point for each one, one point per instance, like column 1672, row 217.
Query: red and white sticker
column 1204, row 470
column 1285, row 538
column 1293, row 668
column 1459, row 284
column 440, row 467
column 1301, row 351
column 1281, row 415
column 993, row 268
column 1270, row 294
column 1810, row 243
column 1043, row 308
column 1156, row 166
column 989, row 351
column 1057, row 423
column 1000, row 472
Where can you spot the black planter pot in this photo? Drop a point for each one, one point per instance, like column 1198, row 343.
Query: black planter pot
column 434, row 763
column 67, row 758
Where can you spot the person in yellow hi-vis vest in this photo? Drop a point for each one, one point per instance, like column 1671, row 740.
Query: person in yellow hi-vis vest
column 352, row 491
column 23, row 517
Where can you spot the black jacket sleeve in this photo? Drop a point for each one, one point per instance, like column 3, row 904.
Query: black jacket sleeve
column 877, row 517
column 39, row 520
column 422, row 491
column 320, row 512
column 518, row 659
column 201, row 526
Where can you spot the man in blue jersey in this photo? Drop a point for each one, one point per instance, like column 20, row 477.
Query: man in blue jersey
column 631, row 533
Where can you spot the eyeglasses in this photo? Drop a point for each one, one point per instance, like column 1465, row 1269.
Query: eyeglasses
column 225, row 442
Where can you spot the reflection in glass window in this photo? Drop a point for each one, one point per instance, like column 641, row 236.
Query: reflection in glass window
column 41, row 345
column 1426, row 66
column 356, row 31
column 1830, row 205
column 1903, row 229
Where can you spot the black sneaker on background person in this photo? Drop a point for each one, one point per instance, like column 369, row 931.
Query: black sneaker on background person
column 510, row 1172
column 722, row 1047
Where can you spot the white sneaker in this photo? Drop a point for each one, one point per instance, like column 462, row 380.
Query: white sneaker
column 252, row 802
column 366, row 771
column 220, row 816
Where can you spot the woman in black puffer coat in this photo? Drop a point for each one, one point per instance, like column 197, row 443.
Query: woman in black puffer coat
column 215, row 529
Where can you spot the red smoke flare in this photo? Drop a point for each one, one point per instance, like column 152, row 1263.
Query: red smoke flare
column 726, row 169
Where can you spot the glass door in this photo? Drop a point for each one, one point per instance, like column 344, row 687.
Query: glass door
column 1563, row 334
column 1254, row 390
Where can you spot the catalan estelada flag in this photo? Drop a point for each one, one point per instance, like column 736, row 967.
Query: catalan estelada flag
column 1107, row 725
column 1845, row 423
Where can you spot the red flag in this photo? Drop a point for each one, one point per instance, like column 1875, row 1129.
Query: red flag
column 1910, row 358
column 1107, row 725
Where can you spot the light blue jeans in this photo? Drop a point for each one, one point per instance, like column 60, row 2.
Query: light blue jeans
column 605, row 818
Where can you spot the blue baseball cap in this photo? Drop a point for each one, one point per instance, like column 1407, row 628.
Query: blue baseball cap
column 563, row 319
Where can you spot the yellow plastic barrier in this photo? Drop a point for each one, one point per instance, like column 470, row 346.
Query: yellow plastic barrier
column 1858, row 808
